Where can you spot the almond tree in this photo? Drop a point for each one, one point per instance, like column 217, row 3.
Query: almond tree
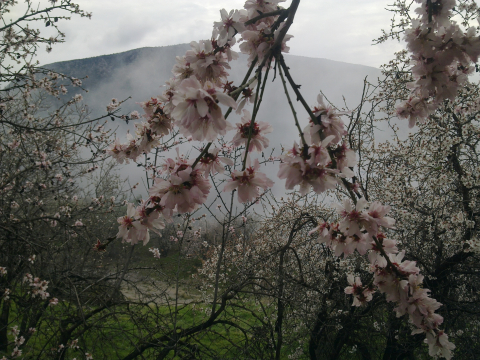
column 431, row 181
column 321, row 161
column 54, row 186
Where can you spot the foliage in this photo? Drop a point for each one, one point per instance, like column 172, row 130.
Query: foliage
column 300, row 280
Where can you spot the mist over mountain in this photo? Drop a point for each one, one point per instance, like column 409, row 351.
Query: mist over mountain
column 141, row 73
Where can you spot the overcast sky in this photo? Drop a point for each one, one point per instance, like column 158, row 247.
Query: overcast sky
column 332, row 29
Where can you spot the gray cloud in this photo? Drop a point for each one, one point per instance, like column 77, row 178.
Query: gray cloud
column 337, row 30
column 141, row 73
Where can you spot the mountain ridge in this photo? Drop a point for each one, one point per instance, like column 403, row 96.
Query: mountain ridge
column 141, row 73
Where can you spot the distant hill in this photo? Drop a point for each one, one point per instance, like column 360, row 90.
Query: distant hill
column 140, row 73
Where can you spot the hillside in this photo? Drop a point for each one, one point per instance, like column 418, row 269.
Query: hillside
column 140, row 73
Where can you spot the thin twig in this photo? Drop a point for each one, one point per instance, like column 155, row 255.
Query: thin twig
column 291, row 107
column 269, row 14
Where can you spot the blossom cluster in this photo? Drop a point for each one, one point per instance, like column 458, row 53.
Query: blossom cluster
column 135, row 225
column 192, row 97
column 147, row 134
column 155, row 252
column 38, row 287
column 359, row 229
column 18, row 341
column 191, row 102
column 443, row 55
column 317, row 163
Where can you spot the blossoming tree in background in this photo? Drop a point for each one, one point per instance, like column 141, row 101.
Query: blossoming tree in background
column 57, row 196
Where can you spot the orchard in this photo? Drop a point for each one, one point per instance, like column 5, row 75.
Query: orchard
column 372, row 253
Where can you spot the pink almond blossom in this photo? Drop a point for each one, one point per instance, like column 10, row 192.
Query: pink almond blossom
column 361, row 294
column 308, row 167
column 231, row 24
column 184, row 190
column 197, row 112
column 248, row 182
column 255, row 131
column 210, row 163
